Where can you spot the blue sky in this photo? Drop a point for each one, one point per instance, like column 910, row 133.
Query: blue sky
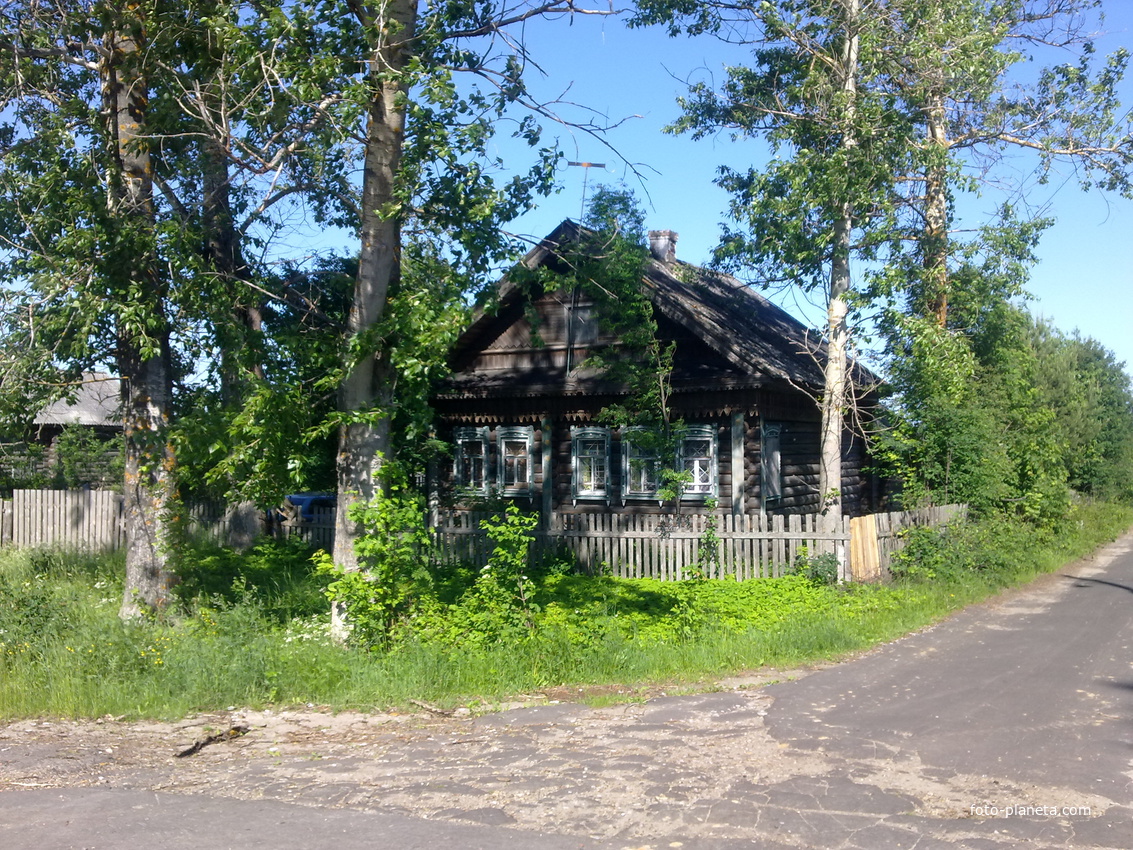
column 1083, row 280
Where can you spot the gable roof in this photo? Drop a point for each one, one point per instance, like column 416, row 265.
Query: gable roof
column 750, row 332
column 97, row 401
column 756, row 338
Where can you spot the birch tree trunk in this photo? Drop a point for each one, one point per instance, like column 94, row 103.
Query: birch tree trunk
column 834, row 395
column 934, row 241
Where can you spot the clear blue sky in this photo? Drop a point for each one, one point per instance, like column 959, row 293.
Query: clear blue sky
column 1084, row 279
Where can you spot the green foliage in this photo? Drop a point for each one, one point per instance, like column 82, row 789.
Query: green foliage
column 707, row 545
column 1008, row 416
column 23, row 466
column 1000, row 550
column 822, row 569
column 498, row 606
column 83, row 458
column 393, row 554
column 64, row 652
column 278, row 574
column 512, row 534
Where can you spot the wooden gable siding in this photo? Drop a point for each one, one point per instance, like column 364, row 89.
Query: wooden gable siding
column 516, row 353
column 516, row 343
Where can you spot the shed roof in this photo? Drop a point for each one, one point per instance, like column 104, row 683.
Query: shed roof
column 96, row 401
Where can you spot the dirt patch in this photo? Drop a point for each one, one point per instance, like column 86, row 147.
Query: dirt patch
column 701, row 766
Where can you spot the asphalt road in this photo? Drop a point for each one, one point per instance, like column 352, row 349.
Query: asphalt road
column 1009, row 725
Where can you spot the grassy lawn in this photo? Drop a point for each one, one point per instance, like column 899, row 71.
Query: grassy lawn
column 253, row 630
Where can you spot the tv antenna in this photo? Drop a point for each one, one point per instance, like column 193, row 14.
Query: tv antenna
column 585, row 166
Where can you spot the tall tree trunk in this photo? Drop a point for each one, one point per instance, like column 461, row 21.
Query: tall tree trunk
column 143, row 334
column 238, row 340
column 241, row 325
column 834, row 395
column 365, row 392
column 934, row 239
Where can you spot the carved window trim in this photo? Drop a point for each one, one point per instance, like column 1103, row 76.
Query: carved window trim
column 470, row 459
column 515, row 472
column 590, row 465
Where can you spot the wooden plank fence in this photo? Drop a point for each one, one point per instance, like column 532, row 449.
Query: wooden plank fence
column 631, row 546
column 75, row 519
column 92, row 519
column 224, row 524
column 650, row 546
column 875, row 538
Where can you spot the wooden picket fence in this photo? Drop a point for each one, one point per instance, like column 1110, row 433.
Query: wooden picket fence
column 656, row 546
column 632, row 546
column 875, row 538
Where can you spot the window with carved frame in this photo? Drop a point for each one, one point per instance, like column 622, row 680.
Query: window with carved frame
column 515, row 474
column 641, row 465
column 698, row 459
column 590, row 462
column 470, row 459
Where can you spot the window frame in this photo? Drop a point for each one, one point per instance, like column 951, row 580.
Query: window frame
column 461, row 436
column 509, row 433
column 708, row 433
column 771, row 464
column 630, row 453
column 579, row 434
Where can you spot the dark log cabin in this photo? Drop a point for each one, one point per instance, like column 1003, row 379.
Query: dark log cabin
column 521, row 406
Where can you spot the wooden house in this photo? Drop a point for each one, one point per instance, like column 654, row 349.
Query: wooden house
column 521, row 407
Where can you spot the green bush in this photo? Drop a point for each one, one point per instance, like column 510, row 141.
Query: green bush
column 393, row 557
column 1002, row 549
column 820, row 569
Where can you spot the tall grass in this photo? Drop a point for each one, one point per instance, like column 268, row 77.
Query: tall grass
column 252, row 630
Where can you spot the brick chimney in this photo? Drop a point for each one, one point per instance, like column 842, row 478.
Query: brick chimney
column 663, row 245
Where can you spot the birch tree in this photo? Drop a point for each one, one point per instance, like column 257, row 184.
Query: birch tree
column 837, row 146
column 965, row 68
column 80, row 228
column 133, row 136
column 968, row 75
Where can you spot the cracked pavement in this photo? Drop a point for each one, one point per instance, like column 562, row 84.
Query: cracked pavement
column 1008, row 725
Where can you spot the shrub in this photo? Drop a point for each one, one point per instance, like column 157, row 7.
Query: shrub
column 819, row 569
column 278, row 574
column 393, row 558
